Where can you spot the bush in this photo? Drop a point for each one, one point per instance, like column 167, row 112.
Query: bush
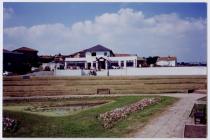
column 10, row 125
column 108, row 119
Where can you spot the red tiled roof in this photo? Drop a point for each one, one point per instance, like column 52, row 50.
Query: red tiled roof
column 25, row 49
column 169, row 58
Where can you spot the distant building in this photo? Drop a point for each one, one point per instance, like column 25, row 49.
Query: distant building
column 59, row 58
column 170, row 61
column 186, row 64
column 52, row 62
column 20, row 61
column 15, row 62
column 141, row 62
column 27, row 51
column 51, row 66
column 30, row 54
column 46, row 58
column 99, row 57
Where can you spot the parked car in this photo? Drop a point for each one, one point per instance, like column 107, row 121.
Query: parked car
column 34, row 69
column 6, row 73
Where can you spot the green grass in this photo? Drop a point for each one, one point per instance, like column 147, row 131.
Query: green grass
column 85, row 123
column 57, row 107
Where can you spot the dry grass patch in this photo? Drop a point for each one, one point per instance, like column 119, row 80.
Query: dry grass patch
column 38, row 86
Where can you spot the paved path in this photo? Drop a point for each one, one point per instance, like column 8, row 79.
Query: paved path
column 171, row 123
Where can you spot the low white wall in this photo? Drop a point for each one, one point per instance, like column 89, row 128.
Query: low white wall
column 102, row 73
column 138, row 71
column 85, row 72
column 68, row 72
column 159, row 71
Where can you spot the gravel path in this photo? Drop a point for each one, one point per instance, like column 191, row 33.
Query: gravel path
column 171, row 123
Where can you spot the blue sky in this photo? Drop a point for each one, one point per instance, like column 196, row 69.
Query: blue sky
column 41, row 23
column 28, row 14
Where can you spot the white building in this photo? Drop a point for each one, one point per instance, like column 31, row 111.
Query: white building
column 99, row 57
column 51, row 65
column 169, row 61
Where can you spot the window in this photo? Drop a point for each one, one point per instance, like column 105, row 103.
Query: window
column 114, row 63
column 105, row 53
column 94, row 64
column 93, row 54
column 129, row 63
column 122, row 63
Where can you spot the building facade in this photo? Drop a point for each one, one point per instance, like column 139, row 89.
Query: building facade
column 99, row 58
column 30, row 54
column 21, row 60
column 170, row 61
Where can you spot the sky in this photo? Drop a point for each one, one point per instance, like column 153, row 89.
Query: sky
column 145, row 29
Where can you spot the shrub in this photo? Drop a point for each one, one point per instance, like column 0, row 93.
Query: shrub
column 108, row 119
column 10, row 125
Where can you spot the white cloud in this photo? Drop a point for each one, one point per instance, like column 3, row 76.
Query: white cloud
column 8, row 12
column 126, row 31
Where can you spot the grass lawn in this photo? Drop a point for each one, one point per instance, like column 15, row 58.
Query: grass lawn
column 85, row 123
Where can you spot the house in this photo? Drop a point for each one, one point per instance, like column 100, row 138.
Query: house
column 46, row 58
column 15, row 62
column 59, row 58
column 169, row 61
column 27, row 51
column 51, row 66
column 30, row 54
column 52, row 62
column 99, row 57
column 21, row 60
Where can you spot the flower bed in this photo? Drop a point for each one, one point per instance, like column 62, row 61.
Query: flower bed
column 108, row 119
column 9, row 125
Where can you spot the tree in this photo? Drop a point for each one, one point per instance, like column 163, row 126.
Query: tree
column 151, row 60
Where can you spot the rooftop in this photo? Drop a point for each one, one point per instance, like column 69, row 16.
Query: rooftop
column 97, row 48
column 26, row 49
column 9, row 52
column 169, row 58
column 121, row 55
column 6, row 51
